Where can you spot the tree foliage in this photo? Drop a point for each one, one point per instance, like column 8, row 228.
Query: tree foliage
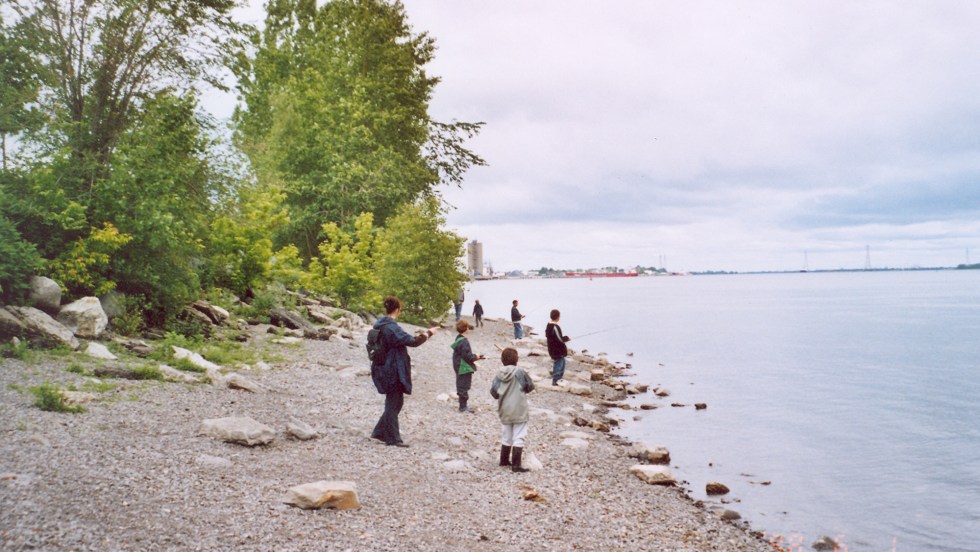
column 20, row 85
column 420, row 262
column 336, row 105
column 346, row 265
column 18, row 261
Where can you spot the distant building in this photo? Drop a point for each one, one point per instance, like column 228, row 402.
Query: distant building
column 474, row 259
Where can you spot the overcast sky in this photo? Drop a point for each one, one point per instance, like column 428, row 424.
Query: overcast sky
column 716, row 135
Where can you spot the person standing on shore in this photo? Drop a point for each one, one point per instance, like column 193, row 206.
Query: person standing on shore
column 516, row 317
column 477, row 314
column 557, row 349
column 458, row 304
column 464, row 364
column 394, row 376
column 510, row 388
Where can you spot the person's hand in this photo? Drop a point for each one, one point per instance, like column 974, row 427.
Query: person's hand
column 433, row 330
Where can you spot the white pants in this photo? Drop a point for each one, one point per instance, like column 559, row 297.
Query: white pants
column 513, row 435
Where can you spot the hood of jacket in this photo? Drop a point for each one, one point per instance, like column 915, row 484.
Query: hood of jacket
column 507, row 373
column 383, row 321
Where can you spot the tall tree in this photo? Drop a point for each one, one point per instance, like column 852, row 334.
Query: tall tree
column 105, row 57
column 420, row 262
column 336, row 106
column 19, row 87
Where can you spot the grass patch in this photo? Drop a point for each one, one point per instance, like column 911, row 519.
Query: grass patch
column 50, row 399
column 186, row 365
column 148, row 373
column 98, row 386
column 20, row 350
column 228, row 353
column 77, row 368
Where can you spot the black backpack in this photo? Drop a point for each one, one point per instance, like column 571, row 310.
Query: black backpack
column 375, row 349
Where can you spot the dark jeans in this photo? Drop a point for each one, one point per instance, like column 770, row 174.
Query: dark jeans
column 478, row 320
column 387, row 427
column 463, row 384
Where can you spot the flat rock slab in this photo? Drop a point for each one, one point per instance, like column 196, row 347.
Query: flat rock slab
column 339, row 495
column 654, row 475
column 242, row 431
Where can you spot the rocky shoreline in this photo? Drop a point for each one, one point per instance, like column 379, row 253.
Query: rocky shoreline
column 138, row 469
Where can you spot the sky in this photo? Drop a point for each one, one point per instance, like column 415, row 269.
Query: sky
column 711, row 135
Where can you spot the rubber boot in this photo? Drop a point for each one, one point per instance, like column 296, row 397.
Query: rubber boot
column 504, row 455
column 515, row 461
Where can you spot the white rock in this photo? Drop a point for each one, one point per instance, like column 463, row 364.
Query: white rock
column 261, row 365
column 583, row 390
column 194, row 358
column 661, row 392
column 45, row 294
column 213, row 461
column 340, row 495
column 440, row 456
column 575, row 443
column 457, row 466
column 301, row 430
column 654, row 454
column 174, row 374
column 576, row 435
column 531, row 462
column 287, row 340
column 589, row 408
column 36, row 325
column 238, row 381
column 442, row 397
column 98, row 350
column 240, row 430
column 654, row 475
column 85, row 317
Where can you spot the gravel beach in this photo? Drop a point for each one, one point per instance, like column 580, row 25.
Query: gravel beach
column 133, row 472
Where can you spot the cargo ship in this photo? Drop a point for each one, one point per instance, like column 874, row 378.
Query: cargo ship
column 600, row 274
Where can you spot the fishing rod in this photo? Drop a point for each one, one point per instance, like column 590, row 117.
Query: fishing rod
column 601, row 331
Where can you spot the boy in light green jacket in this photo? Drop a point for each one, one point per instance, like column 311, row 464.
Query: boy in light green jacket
column 510, row 388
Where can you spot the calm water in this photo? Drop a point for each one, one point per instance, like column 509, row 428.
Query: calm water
column 857, row 395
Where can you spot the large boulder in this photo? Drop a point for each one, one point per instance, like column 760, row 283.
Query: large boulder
column 85, row 317
column 45, row 294
column 242, row 431
column 36, row 326
column 341, row 495
column 653, row 454
column 654, row 475
column 290, row 319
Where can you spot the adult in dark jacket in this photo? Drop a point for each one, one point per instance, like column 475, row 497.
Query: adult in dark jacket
column 394, row 376
column 477, row 314
column 516, row 317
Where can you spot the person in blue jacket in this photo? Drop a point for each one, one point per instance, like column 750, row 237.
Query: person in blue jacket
column 394, row 376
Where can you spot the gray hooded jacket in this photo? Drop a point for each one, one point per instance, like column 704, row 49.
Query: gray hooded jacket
column 510, row 388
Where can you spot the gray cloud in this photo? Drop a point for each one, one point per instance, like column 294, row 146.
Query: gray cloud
column 725, row 135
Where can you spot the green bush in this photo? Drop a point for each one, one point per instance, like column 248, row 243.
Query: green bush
column 19, row 260
column 21, row 350
column 148, row 373
column 50, row 398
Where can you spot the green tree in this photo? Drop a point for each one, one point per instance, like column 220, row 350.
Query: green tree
column 18, row 261
column 336, row 105
column 420, row 262
column 346, row 267
column 19, row 87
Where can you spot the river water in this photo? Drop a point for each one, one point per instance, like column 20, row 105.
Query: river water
column 854, row 395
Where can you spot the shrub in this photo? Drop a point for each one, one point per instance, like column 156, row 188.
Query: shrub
column 18, row 262
column 20, row 350
column 148, row 373
column 50, row 398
